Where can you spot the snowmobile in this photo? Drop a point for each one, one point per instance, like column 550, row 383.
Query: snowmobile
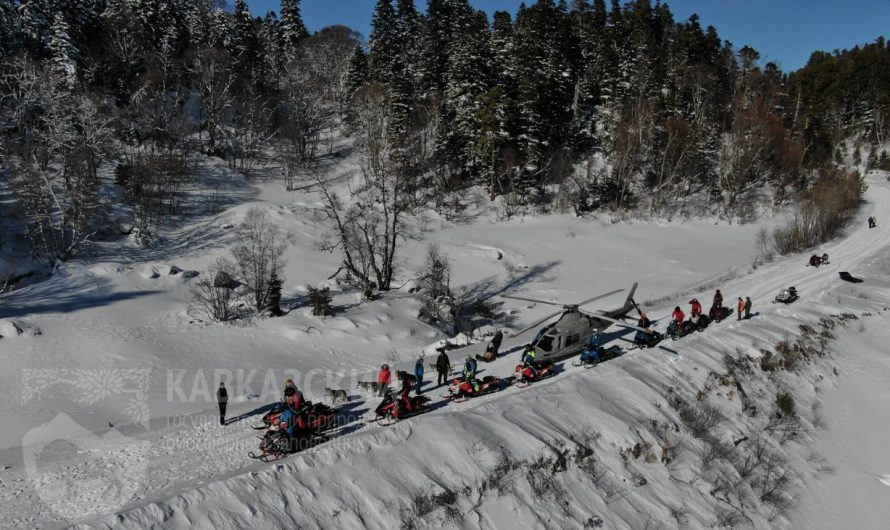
column 673, row 330
column 527, row 375
column 593, row 356
column 276, row 443
column 786, row 296
column 718, row 313
column 461, row 389
column 318, row 415
column 699, row 323
column 647, row 339
column 391, row 409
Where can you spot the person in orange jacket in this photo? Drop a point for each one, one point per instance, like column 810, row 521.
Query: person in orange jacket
column 739, row 307
column 384, row 378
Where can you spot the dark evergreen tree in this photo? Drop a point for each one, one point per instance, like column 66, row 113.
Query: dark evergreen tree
column 469, row 77
column 545, row 81
column 384, row 44
column 357, row 75
column 244, row 44
column 435, row 38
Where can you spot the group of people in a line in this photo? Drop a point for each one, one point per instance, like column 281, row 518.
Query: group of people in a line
column 743, row 307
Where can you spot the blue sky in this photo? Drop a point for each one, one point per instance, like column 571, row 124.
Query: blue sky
column 784, row 31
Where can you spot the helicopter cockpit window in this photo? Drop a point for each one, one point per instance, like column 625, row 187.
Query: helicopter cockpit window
column 546, row 343
column 572, row 339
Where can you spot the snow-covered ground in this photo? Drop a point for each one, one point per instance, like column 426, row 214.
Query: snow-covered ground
column 122, row 376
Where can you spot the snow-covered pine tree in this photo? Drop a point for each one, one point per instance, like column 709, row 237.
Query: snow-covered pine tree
column 270, row 49
column 384, row 46
column 36, row 18
column 469, row 67
column 545, row 81
column 10, row 28
column 244, row 44
column 293, row 30
column 409, row 38
column 433, row 54
column 357, row 75
column 63, row 53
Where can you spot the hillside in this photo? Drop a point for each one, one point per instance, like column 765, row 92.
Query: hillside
column 196, row 473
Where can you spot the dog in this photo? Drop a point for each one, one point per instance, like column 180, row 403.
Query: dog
column 371, row 387
column 336, row 396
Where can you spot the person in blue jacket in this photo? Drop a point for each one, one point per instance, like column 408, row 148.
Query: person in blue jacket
column 418, row 374
column 470, row 367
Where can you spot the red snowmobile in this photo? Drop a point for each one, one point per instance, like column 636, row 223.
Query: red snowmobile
column 462, row 389
column 311, row 422
column 528, row 375
column 393, row 408
column 318, row 416
column 276, row 443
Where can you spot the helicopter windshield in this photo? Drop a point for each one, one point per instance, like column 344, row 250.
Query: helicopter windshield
column 545, row 343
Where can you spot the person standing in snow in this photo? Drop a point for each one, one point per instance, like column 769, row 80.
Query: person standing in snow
column 495, row 344
column 747, row 307
column 418, row 373
column 528, row 357
column 443, row 366
column 739, row 308
column 383, row 378
column 695, row 312
column 718, row 299
column 407, row 381
column 222, row 396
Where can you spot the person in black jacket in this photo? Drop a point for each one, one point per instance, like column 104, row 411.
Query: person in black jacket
column 222, row 396
column 443, row 367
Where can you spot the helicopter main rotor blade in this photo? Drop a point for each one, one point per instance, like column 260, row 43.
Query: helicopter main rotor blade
column 536, row 324
column 530, row 300
column 595, row 298
column 616, row 321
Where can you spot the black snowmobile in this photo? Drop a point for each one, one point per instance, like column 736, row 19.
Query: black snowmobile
column 647, row 339
column 674, row 332
column 699, row 322
column 718, row 313
column 786, row 296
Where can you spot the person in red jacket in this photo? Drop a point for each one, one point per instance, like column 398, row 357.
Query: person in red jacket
column 384, row 379
column 679, row 317
column 696, row 308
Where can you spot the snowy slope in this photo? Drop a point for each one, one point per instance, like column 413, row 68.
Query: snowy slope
column 192, row 473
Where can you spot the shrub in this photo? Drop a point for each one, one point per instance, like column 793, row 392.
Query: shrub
column 320, row 300
column 828, row 205
column 215, row 299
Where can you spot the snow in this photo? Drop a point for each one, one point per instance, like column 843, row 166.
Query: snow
column 117, row 333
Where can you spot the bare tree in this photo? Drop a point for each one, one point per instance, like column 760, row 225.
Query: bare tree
column 258, row 254
column 369, row 230
column 215, row 81
column 213, row 296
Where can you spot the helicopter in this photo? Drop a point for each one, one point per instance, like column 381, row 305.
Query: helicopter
column 570, row 334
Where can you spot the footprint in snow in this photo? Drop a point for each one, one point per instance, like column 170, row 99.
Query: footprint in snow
column 885, row 480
